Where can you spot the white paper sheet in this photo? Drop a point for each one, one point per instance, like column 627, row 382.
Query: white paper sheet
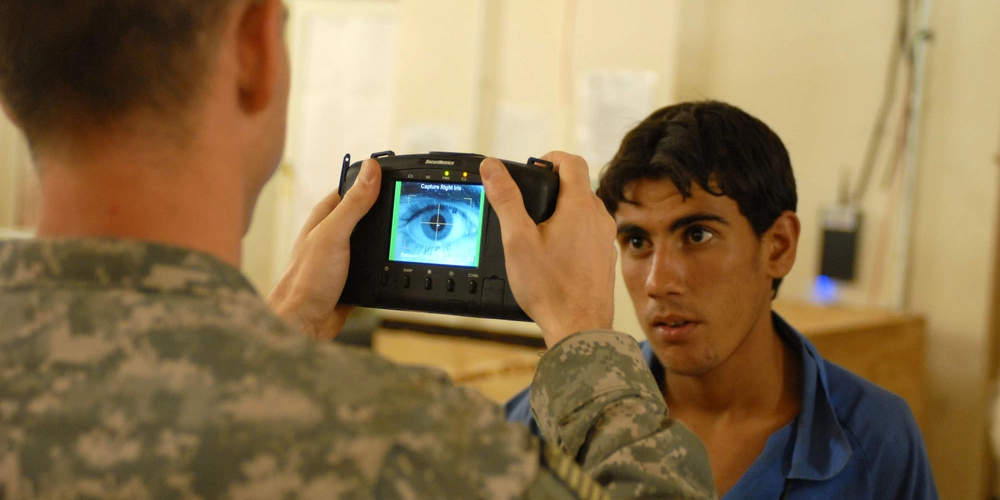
column 610, row 103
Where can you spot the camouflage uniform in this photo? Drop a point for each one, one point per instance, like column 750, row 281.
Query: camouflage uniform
column 134, row 370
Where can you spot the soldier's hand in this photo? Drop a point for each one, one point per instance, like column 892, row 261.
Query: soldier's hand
column 306, row 295
column 562, row 271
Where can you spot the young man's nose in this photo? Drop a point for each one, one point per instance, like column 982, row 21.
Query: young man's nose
column 667, row 274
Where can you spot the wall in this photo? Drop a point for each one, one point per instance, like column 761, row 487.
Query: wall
column 958, row 193
column 15, row 172
column 8, row 172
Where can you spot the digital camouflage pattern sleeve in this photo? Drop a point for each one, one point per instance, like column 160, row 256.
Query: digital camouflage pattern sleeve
column 134, row 370
column 594, row 397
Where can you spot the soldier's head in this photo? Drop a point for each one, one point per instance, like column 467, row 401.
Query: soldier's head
column 704, row 197
column 68, row 66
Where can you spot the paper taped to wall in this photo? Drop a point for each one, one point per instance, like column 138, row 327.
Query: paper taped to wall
column 609, row 104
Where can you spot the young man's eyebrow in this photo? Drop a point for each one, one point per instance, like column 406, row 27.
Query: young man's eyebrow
column 689, row 220
column 631, row 230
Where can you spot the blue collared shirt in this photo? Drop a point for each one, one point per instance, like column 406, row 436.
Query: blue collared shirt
column 850, row 440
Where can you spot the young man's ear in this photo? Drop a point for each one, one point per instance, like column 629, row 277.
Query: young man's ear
column 260, row 38
column 782, row 242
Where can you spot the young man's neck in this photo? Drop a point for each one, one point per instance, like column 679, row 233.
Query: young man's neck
column 763, row 375
column 737, row 406
column 128, row 186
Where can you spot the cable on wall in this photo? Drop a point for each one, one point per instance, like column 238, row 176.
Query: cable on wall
column 875, row 139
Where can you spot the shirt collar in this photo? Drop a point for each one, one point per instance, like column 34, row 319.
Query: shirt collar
column 821, row 448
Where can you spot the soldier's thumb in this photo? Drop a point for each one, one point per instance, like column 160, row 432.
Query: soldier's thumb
column 358, row 200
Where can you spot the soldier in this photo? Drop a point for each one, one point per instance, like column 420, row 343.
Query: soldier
column 704, row 198
column 137, row 362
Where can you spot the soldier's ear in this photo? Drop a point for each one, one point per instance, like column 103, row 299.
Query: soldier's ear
column 781, row 242
column 260, row 32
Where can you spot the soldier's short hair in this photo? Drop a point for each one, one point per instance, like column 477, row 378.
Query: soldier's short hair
column 66, row 64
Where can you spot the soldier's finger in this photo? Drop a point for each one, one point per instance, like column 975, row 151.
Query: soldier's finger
column 505, row 197
column 573, row 171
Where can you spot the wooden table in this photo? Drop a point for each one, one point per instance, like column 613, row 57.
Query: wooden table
column 884, row 347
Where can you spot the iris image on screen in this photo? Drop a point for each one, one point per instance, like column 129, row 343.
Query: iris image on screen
column 437, row 223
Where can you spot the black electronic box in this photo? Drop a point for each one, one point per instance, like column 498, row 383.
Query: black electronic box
column 432, row 242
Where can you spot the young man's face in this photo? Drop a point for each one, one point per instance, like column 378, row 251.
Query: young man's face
column 698, row 276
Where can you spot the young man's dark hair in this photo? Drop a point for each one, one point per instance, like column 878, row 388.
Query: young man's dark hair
column 719, row 147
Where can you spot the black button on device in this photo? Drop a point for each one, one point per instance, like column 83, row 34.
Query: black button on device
column 385, row 279
column 493, row 297
column 428, row 283
column 451, row 285
column 473, row 286
column 406, row 281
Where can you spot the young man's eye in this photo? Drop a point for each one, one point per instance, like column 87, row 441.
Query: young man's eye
column 640, row 244
column 632, row 243
column 699, row 235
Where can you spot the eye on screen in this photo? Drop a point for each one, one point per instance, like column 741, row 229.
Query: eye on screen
column 437, row 223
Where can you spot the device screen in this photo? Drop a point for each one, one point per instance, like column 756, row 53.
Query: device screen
column 437, row 223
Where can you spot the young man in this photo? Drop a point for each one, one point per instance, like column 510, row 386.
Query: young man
column 137, row 362
column 704, row 198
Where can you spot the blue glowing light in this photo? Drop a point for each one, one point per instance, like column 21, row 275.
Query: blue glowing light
column 825, row 290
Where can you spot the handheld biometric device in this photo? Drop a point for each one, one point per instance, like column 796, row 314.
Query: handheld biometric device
column 432, row 242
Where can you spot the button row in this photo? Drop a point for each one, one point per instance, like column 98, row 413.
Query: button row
column 429, row 283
